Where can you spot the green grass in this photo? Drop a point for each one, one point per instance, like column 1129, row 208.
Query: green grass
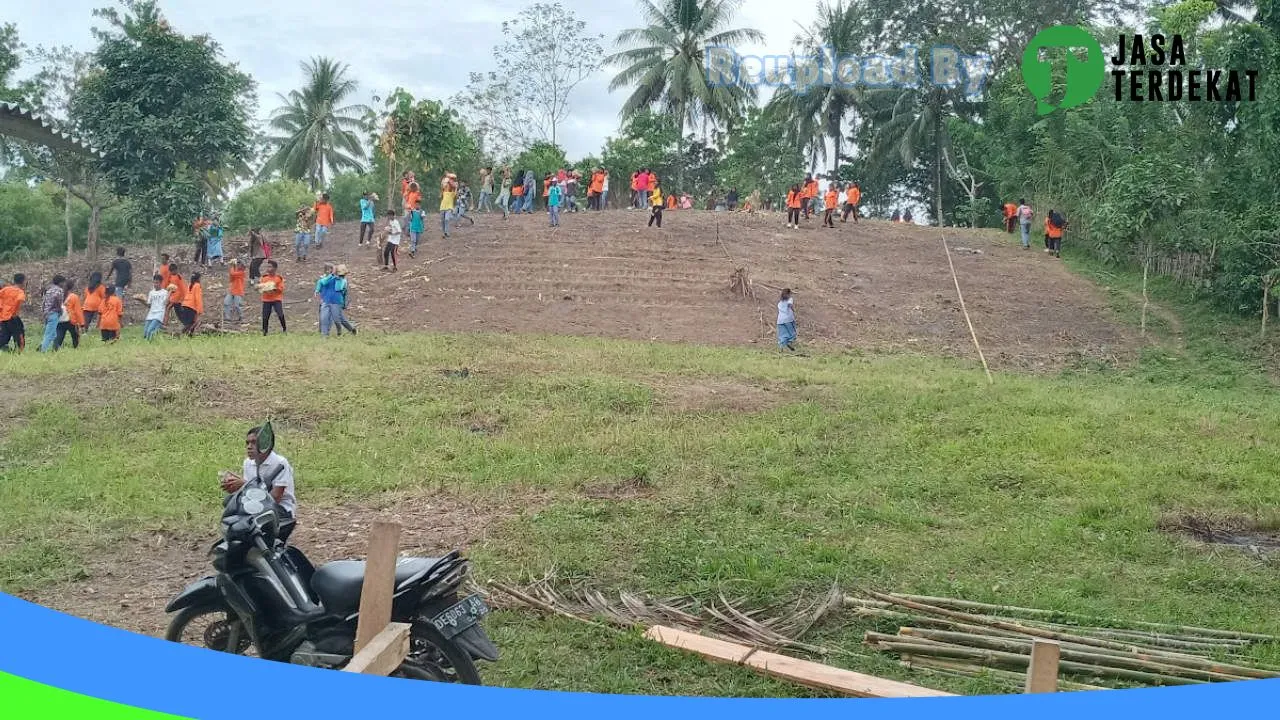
column 901, row 473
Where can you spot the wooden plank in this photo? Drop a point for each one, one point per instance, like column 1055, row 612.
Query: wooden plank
column 384, row 653
column 379, row 582
column 1042, row 671
column 803, row 672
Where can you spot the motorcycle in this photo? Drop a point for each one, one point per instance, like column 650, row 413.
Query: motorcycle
column 267, row 597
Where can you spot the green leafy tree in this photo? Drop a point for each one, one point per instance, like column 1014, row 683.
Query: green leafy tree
column 317, row 130
column 345, row 191
column 165, row 110
column 542, row 158
column 270, row 205
column 426, row 137
column 759, row 156
column 545, row 54
column 665, row 63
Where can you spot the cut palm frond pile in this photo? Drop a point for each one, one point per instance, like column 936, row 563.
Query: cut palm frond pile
column 968, row 638
column 772, row 627
column 740, row 284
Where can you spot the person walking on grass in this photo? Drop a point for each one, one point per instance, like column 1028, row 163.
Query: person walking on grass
column 342, row 286
column 110, row 319
column 1025, row 215
column 72, row 318
column 368, row 214
column 554, row 196
column 157, row 302
column 51, row 311
column 93, row 296
column 392, row 246
column 332, row 296
column 122, row 271
column 786, row 321
column 655, row 206
column 234, row 299
column 272, row 289
column 12, row 296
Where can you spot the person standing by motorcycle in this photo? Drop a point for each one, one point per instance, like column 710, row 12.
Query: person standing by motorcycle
column 265, row 468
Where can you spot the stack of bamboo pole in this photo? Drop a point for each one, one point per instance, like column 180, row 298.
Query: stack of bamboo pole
column 964, row 638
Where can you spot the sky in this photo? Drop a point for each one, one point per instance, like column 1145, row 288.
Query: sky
column 425, row 46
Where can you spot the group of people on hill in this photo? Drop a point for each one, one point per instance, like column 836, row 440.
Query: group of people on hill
column 63, row 311
column 1021, row 215
column 803, row 200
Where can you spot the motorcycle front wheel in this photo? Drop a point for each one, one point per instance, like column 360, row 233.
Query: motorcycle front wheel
column 436, row 658
column 208, row 627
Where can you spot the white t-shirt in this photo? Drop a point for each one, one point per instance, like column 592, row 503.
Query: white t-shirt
column 393, row 232
column 157, row 301
column 605, row 187
column 786, row 313
column 1024, row 213
column 284, row 479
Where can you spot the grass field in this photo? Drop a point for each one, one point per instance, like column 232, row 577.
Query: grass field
column 746, row 472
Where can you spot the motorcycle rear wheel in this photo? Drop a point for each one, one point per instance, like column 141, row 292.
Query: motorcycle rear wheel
column 436, row 658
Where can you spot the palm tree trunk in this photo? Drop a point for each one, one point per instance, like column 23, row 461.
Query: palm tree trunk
column 681, row 119
column 836, row 168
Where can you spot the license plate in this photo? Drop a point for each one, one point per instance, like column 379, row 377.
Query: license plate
column 461, row 616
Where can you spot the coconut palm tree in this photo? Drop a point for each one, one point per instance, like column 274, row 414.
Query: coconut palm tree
column 317, row 132
column 818, row 113
column 666, row 63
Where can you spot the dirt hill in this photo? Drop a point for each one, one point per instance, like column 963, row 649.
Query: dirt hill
column 871, row 285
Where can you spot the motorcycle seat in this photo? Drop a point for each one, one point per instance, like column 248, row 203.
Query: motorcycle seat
column 337, row 584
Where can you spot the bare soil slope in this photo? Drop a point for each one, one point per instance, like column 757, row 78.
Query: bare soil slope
column 874, row 284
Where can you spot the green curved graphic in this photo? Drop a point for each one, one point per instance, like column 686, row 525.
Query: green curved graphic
column 1083, row 77
column 28, row 700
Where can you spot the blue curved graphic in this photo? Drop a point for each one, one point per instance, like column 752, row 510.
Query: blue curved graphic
column 79, row 656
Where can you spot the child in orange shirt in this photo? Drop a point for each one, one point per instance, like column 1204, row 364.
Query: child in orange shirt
column 272, row 289
column 235, row 293
column 74, row 313
column 852, row 197
column 794, row 200
column 192, row 306
column 109, row 319
column 93, row 297
column 829, row 201
column 180, row 291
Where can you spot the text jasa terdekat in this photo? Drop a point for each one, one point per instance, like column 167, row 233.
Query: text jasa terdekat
column 1147, row 71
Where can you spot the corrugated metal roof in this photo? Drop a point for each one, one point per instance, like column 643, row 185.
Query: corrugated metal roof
column 18, row 122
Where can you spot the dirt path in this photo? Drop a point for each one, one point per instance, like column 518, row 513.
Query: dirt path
column 875, row 285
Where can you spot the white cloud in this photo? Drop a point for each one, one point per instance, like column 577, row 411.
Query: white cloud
column 428, row 48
